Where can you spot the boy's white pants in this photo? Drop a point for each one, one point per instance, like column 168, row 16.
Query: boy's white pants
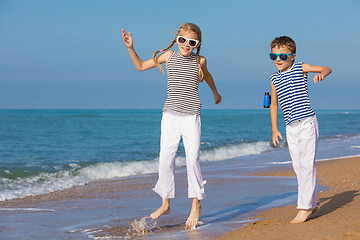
column 173, row 127
column 302, row 137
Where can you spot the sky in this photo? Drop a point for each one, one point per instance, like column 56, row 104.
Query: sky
column 69, row 54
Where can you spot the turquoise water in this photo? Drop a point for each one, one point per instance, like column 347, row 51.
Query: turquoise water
column 47, row 150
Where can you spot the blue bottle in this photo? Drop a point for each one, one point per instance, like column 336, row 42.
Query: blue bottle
column 267, row 100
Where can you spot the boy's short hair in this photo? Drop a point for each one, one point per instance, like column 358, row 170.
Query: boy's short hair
column 284, row 41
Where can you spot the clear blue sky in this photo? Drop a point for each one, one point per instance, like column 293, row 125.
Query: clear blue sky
column 69, row 53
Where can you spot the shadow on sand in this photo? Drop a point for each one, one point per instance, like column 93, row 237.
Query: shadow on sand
column 334, row 202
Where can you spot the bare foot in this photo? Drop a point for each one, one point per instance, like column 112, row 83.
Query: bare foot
column 194, row 214
column 304, row 215
column 163, row 210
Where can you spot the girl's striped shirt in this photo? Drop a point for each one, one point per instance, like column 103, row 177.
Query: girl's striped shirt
column 183, row 82
column 292, row 90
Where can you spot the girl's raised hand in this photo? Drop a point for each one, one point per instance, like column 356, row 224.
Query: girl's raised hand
column 128, row 39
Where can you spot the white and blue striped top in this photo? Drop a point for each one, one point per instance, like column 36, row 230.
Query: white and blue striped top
column 292, row 90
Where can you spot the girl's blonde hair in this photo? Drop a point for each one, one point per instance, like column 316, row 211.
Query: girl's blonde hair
column 185, row 27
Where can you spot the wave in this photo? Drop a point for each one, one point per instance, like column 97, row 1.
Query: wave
column 235, row 150
column 64, row 179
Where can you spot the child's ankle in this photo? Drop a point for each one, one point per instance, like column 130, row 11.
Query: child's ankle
column 165, row 205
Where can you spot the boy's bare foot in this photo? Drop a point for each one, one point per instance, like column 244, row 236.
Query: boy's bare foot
column 194, row 214
column 304, row 215
column 163, row 210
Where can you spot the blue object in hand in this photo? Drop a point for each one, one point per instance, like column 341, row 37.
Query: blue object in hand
column 267, row 100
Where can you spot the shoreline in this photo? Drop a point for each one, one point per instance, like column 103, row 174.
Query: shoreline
column 103, row 208
column 337, row 217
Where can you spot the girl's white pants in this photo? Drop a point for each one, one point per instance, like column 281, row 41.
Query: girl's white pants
column 302, row 137
column 173, row 127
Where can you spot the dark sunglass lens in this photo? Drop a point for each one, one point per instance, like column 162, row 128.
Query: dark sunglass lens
column 181, row 40
column 273, row 56
column 192, row 43
column 283, row 57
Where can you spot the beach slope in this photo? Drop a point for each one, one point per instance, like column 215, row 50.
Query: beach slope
column 337, row 218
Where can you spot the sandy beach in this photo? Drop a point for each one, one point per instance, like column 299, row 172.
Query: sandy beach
column 105, row 208
column 337, row 218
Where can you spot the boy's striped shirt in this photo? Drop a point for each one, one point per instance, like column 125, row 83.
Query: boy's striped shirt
column 292, row 90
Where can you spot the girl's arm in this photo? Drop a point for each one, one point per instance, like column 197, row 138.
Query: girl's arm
column 138, row 62
column 323, row 71
column 274, row 113
column 209, row 80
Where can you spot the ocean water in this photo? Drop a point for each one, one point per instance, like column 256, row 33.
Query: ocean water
column 42, row 151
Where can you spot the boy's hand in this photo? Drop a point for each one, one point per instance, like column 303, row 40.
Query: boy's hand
column 318, row 77
column 128, row 39
column 217, row 98
column 275, row 138
column 321, row 70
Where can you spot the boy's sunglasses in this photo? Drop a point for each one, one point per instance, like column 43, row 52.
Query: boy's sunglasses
column 282, row 56
column 182, row 40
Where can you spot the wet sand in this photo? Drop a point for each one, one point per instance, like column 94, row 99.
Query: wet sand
column 337, row 218
column 104, row 209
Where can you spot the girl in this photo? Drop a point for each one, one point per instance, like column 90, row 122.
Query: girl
column 181, row 114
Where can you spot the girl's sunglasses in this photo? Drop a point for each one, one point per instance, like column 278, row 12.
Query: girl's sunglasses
column 282, row 56
column 182, row 40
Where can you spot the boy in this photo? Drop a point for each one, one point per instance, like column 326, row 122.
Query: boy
column 289, row 85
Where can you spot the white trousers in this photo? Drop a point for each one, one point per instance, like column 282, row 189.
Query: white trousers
column 173, row 127
column 302, row 137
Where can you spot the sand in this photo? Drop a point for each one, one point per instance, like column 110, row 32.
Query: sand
column 337, row 218
column 106, row 207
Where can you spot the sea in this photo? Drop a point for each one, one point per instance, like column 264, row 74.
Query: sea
column 47, row 150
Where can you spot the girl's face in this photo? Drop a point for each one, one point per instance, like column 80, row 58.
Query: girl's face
column 283, row 65
column 184, row 48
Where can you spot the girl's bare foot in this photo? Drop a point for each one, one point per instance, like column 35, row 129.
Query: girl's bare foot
column 194, row 214
column 304, row 215
column 163, row 210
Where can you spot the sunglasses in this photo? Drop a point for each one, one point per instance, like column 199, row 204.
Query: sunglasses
column 182, row 40
column 282, row 56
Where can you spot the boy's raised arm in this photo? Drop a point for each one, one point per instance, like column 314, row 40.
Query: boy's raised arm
column 323, row 71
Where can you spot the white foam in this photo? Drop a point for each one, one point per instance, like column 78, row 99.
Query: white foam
column 27, row 209
column 328, row 159
column 50, row 182
column 235, row 150
column 318, row 160
column 60, row 180
column 279, row 163
column 74, row 165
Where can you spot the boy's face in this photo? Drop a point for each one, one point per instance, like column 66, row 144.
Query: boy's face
column 280, row 64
